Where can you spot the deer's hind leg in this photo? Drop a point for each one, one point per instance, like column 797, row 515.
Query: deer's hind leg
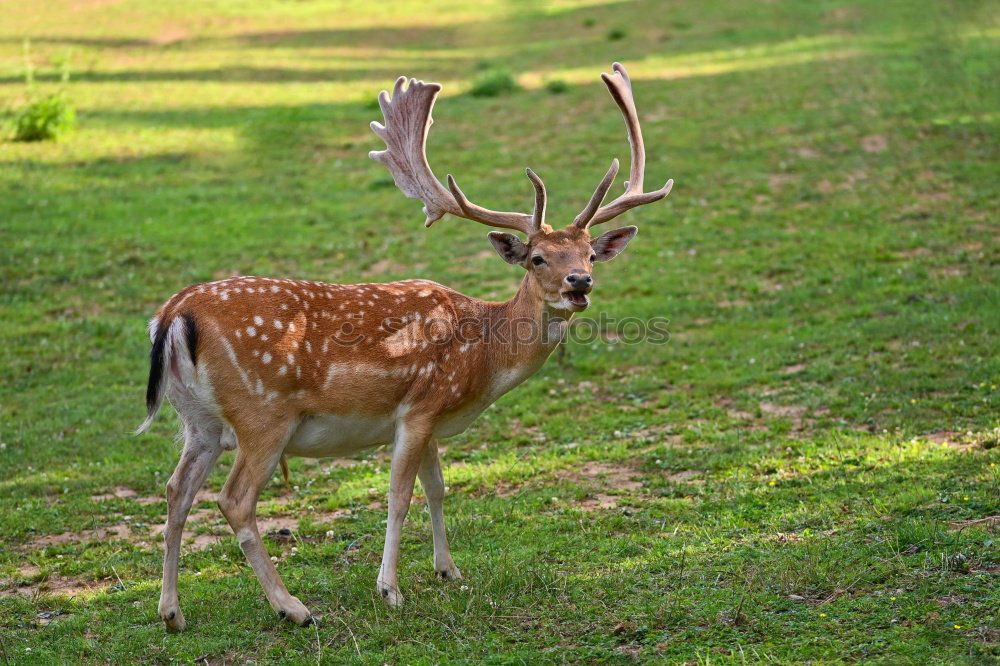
column 257, row 457
column 201, row 451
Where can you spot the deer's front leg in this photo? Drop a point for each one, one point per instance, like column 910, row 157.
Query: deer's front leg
column 433, row 482
column 412, row 436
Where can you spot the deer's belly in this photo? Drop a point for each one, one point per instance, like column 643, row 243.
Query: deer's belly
column 458, row 421
column 338, row 434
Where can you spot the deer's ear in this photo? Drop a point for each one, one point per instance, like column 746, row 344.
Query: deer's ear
column 509, row 247
column 608, row 245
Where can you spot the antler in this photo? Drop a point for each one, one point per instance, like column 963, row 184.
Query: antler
column 407, row 119
column 620, row 87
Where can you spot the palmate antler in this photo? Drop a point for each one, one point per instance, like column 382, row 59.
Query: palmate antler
column 620, row 87
column 407, row 119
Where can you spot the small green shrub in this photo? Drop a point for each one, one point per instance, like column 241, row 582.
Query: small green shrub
column 47, row 118
column 44, row 118
column 556, row 86
column 493, row 83
column 616, row 33
column 589, row 22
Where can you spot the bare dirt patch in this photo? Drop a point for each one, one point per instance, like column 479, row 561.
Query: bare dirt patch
column 83, row 5
column 276, row 527
column 874, row 143
column 194, row 537
column 949, row 437
column 120, row 492
column 124, row 492
column 950, row 271
column 613, row 475
column 734, row 303
column 657, row 434
column 170, row 35
column 111, row 532
column 66, row 586
column 683, row 476
column 912, row 252
column 949, row 600
column 783, row 411
column 600, row 501
column 796, row 414
column 609, row 482
column 777, row 181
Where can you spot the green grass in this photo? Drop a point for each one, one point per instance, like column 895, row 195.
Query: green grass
column 782, row 481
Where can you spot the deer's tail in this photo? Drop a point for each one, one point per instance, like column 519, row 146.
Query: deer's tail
column 164, row 336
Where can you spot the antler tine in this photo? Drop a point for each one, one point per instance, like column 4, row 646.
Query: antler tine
column 587, row 214
column 620, row 86
column 538, row 214
column 407, row 119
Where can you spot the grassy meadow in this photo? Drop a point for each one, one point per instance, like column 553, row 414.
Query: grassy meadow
column 805, row 472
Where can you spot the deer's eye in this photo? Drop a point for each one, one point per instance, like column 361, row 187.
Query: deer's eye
column 537, row 260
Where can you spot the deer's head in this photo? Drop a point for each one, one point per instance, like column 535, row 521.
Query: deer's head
column 559, row 262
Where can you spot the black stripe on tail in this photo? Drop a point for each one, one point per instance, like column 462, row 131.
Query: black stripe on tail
column 156, row 367
column 157, row 363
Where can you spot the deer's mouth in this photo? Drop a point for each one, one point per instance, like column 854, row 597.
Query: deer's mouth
column 577, row 299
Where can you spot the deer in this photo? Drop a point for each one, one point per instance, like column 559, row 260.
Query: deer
column 275, row 368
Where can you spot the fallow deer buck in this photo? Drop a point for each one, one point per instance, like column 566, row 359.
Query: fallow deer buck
column 278, row 367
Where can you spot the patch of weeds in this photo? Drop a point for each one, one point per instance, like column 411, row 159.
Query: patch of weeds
column 589, row 22
column 48, row 117
column 556, row 86
column 493, row 83
column 616, row 34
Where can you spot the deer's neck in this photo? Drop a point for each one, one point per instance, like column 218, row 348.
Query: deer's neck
column 525, row 329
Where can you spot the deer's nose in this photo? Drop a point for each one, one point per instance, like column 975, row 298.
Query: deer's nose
column 580, row 281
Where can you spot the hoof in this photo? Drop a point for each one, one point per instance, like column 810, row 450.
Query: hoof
column 173, row 619
column 448, row 572
column 391, row 596
column 295, row 611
